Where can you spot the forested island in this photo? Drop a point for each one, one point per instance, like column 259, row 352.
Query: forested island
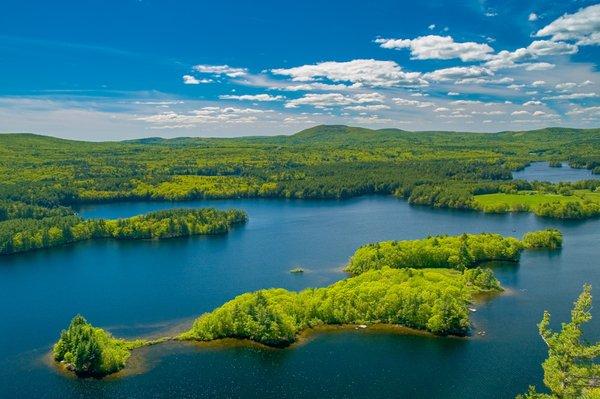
column 439, row 169
column 37, row 227
column 455, row 252
column 429, row 296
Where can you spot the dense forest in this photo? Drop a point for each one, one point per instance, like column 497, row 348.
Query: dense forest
column 454, row 252
column 424, row 294
column 25, row 234
column 43, row 175
column 434, row 300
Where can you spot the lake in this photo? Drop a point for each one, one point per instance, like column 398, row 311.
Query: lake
column 145, row 287
column 541, row 171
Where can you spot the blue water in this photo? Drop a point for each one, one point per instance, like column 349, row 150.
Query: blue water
column 541, row 171
column 143, row 287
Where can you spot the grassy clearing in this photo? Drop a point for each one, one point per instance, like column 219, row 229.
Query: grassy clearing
column 527, row 200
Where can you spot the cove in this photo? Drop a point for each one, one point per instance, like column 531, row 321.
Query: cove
column 139, row 288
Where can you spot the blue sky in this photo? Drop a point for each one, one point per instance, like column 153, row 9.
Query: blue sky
column 110, row 70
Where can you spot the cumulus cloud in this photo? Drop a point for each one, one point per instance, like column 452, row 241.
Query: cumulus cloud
column 360, row 72
column 572, row 96
column 368, row 107
column 583, row 27
column 203, row 115
column 431, row 27
column 585, row 110
column 539, row 66
column 438, row 47
column 324, row 100
column 251, row 97
column 532, row 17
column 523, row 56
column 412, row 103
column 458, row 73
column 190, row 80
column 532, row 102
column 219, row 70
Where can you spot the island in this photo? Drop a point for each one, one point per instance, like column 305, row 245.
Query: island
column 423, row 284
column 55, row 227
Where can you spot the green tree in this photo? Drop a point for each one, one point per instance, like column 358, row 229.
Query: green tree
column 571, row 369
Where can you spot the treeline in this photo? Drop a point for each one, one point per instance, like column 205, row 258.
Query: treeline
column 20, row 210
column 428, row 168
column 568, row 210
column 18, row 235
column 456, row 252
column 431, row 300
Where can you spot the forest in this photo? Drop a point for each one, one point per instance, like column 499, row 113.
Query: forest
column 433, row 300
column 25, row 234
column 44, row 176
column 454, row 252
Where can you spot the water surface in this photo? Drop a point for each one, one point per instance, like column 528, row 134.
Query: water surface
column 140, row 287
column 541, row 171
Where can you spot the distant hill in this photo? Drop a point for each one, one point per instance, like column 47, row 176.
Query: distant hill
column 326, row 134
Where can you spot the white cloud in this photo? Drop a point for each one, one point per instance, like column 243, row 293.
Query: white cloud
column 192, row 80
column 252, row 97
column 523, row 56
column 438, row 47
column 458, row 73
column 218, row 70
column 368, row 107
column 361, row 72
column 466, row 102
column 571, row 85
column 532, row 17
column 334, row 99
column 572, row 96
column 453, row 93
column 582, row 27
column 585, row 110
column 412, row 103
column 539, row 66
column 441, row 109
column 565, row 86
column 431, row 27
column 515, row 113
column 538, row 83
column 532, row 103
column 172, row 119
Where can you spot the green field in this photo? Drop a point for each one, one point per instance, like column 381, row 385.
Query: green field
column 530, row 200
